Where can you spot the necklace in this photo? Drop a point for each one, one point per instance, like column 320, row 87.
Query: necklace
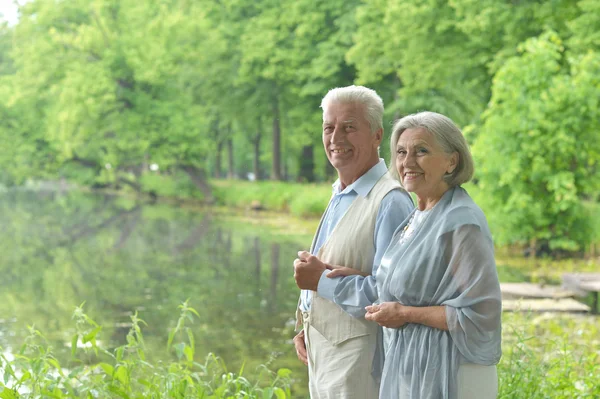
column 412, row 225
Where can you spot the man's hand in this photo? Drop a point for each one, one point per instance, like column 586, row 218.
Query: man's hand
column 308, row 270
column 301, row 347
column 388, row 314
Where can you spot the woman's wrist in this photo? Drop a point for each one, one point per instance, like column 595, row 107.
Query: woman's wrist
column 407, row 313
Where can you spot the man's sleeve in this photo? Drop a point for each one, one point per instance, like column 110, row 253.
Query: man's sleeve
column 353, row 293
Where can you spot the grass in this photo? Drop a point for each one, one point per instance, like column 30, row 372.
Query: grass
column 302, row 200
column 550, row 356
column 593, row 210
column 126, row 372
column 177, row 185
column 545, row 356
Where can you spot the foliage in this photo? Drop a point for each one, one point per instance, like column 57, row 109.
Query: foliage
column 549, row 357
column 295, row 198
column 537, row 153
column 125, row 371
column 541, row 360
column 96, row 91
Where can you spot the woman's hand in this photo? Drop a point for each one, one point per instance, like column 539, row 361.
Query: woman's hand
column 388, row 314
column 342, row 271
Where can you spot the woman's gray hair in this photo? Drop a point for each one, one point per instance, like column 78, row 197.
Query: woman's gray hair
column 447, row 134
column 358, row 95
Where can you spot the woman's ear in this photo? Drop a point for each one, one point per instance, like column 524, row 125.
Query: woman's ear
column 453, row 162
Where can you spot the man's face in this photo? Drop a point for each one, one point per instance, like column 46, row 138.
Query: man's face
column 350, row 145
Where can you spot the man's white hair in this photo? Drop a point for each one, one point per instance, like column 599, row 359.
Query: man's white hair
column 358, row 95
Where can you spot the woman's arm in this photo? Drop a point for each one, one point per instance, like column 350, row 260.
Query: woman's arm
column 395, row 315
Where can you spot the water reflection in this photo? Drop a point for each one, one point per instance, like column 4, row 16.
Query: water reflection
column 119, row 256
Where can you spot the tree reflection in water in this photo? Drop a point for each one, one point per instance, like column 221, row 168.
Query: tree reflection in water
column 120, row 256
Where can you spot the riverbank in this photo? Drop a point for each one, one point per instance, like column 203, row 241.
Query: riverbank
column 308, row 201
column 296, row 199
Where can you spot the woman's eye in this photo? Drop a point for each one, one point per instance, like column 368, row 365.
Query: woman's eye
column 423, row 151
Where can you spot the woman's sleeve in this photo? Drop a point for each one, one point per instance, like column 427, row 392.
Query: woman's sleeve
column 474, row 312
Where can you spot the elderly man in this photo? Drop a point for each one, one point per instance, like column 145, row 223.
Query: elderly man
column 366, row 207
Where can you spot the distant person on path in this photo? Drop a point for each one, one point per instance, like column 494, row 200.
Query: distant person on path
column 439, row 295
column 366, row 207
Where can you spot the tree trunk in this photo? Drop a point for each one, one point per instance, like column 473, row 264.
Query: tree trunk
column 276, row 166
column 198, row 177
column 230, row 166
column 307, row 164
column 126, row 231
column 218, row 160
column 274, row 276
column 257, row 272
column 256, row 160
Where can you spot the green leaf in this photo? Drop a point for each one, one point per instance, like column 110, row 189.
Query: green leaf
column 108, row 369
column 280, row 393
column 91, row 335
column 122, row 376
column 26, row 376
column 74, row 344
column 189, row 353
column 170, row 340
column 190, row 335
column 8, row 394
column 268, row 393
column 179, row 350
column 284, row 373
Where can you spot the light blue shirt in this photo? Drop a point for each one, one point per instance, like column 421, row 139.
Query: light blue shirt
column 353, row 293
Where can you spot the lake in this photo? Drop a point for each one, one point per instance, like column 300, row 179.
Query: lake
column 120, row 256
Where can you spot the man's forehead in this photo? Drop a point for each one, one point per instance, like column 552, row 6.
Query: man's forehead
column 345, row 120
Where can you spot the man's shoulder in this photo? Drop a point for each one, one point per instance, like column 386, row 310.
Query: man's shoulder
column 383, row 186
column 398, row 197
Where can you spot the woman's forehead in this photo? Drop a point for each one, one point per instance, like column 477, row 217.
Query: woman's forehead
column 414, row 136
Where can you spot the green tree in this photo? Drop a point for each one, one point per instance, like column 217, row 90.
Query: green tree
column 114, row 84
column 537, row 151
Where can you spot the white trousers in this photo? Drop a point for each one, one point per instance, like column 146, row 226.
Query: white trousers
column 477, row 382
column 474, row 381
column 342, row 371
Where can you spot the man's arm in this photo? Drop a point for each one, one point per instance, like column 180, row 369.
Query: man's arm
column 353, row 293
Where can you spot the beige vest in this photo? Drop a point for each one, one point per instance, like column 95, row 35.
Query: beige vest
column 350, row 244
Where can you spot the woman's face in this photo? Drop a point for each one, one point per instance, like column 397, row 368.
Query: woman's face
column 422, row 164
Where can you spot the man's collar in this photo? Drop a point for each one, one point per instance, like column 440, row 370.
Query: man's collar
column 364, row 184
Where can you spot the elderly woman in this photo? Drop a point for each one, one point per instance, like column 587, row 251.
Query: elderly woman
column 439, row 296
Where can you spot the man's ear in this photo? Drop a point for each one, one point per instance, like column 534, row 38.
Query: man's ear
column 378, row 136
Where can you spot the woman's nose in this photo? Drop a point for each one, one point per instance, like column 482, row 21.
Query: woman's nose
column 409, row 160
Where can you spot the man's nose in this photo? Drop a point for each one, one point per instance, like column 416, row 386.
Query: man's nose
column 337, row 136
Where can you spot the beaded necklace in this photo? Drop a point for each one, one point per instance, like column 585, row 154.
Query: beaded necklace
column 407, row 231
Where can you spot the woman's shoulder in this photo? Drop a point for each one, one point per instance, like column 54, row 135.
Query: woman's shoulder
column 460, row 210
